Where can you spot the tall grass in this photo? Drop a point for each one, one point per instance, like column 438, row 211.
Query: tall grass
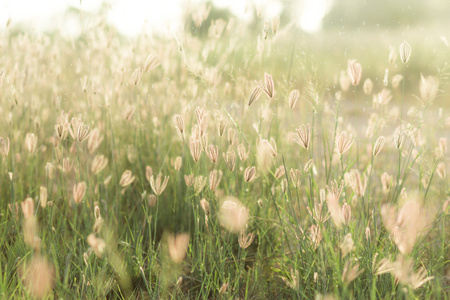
column 138, row 169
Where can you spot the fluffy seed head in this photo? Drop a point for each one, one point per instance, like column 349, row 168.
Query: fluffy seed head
column 245, row 240
column 303, row 135
column 98, row 164
column 293, row 97
column 429, row 86
column 268, row 87
column 127, row 178
column 347, row 245
column 255, row 95
column 405, row 52
column 350, row 272
column 249, row 174
column 94, row 141
column 31, row 142
column 178, row 245
column 368, row 86
column 378, row 145
column 43, row 196
column 97, row 244
column 27, row 207
column 233, row 216
column 354, row 71
column 179, row 125
column 214, row 179
column 242, row 152
column 39, row 277
column 78, row 192
column 213, row 153
column 344, row 142
column 177, row 163
column 230, row 159
column 159, row 185
column 196, row 150
column 270, row 146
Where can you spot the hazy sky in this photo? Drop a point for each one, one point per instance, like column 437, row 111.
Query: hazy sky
column 133, row 16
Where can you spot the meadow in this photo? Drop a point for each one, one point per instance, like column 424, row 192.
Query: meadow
column 227, row 165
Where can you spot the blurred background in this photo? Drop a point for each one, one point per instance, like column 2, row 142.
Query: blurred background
column 322, row 33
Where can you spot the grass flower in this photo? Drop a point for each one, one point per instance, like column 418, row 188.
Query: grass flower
column 127, row 178
column 293, row 97
column 255, row 95
column 158, row 185
column 249, row 174
column 354, row 71
column 79, row 190
column 350, row 272
column 405, row 52
column 31, row 142
column 245, row 240
column 303, row 136
column 230, row 159
column 268, row 87
column 344, row 142
column 214, row 179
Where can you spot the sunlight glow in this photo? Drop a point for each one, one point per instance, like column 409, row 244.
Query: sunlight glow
column 132, row 17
